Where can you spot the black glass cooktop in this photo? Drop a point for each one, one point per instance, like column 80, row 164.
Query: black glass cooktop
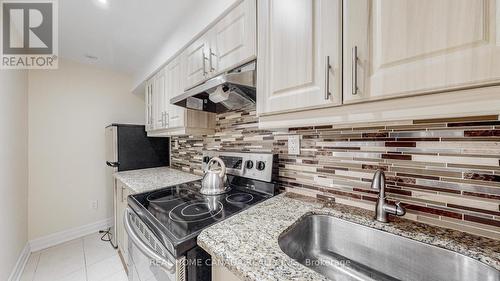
column 183, row 211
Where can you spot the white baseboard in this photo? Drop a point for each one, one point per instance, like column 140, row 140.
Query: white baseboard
column 20, row 264
column 68, row 235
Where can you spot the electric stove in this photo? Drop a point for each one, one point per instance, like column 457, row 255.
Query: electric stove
column 170, row 219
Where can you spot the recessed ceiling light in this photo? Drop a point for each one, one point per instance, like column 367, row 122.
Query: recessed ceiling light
column 104, row 4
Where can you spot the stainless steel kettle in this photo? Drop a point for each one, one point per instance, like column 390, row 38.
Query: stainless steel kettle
column 214, row 181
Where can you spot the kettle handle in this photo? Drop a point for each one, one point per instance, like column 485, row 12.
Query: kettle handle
column 222, row 172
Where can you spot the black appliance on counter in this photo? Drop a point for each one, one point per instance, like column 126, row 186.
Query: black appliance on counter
column 163, row 225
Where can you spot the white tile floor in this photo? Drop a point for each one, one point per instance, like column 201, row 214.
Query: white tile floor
column 85, row 259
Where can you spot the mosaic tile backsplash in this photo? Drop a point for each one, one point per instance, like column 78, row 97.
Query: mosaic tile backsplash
column 445, row 171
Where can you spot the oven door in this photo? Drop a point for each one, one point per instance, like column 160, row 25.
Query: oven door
column 148, row 259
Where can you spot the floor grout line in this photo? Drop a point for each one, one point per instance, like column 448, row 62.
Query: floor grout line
column 85, row 260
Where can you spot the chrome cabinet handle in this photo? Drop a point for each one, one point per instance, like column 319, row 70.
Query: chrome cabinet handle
column 212, row 54
column 161, row 261
column 327, row 78
column 354, row 74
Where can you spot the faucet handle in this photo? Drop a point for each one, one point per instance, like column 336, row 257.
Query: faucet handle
column 400, row 210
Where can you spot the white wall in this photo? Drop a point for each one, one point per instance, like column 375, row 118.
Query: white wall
column 13, row 167
column 197, row 20
column 68, row 111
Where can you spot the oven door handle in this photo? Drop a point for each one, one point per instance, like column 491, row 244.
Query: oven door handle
column 144, row 248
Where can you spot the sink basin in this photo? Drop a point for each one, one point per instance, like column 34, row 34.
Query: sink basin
column 341, row 250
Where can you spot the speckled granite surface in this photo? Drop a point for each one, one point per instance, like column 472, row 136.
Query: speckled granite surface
column 247, row 243
column 151, row 179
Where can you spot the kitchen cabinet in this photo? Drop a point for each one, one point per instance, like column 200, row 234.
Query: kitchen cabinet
column 395, row 48
column 121, row 193
column 234, row 38
column 148, row 95
column 175, row 86
column 171, row 119
column 219, row 272
column 299, row 49
column 401, row 60
column 230, row 43
column 196, row 59
column 226, row 44
column 160, row 97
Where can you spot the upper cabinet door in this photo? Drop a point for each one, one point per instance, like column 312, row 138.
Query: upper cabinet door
column 234, row 38
column 175, row 86
column 407, row 47
column 299, row 47
column 196, row 60
column 159, row 101
column 149, row 105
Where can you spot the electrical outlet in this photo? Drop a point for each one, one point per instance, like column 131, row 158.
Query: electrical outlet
column 294, row 145
column 94, row 204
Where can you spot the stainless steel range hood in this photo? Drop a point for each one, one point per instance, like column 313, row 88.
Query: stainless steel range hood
column 233, row 90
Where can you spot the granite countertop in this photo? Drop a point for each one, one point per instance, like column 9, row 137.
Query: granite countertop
column 150, row 179
column 247, row 243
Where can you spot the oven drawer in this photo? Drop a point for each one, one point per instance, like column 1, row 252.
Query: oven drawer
column 148, row 259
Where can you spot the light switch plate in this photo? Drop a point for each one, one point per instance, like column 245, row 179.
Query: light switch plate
column 294, row 145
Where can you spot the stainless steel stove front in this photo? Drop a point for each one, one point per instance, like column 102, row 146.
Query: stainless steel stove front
column 148, row 259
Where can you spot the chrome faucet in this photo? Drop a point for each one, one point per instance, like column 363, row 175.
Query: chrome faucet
column 382, row 209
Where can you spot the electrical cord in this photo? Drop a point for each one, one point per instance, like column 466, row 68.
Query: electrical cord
column 107, row 237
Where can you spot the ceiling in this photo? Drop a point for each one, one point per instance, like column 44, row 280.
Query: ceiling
column 121, row 35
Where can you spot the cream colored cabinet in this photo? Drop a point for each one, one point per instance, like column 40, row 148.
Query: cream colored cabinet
column 299, row 49
column 228, row 44
column 395, row 54
column 148, row 96
column 234, row 38
column 160, row 99
column 175, row 86
column 172, row 119
column 121, row 193
column 396, row 48
column 196, row 57
column 221, row 273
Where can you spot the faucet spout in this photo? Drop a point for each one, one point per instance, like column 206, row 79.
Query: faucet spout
column 378, row 182
column 383, row 208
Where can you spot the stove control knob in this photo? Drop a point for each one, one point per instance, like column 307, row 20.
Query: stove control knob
column 261, row 165
column 249, row 164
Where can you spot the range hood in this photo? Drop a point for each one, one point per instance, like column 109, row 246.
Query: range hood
column 233, row 90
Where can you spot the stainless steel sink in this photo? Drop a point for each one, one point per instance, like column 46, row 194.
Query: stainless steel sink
column 341, row 250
